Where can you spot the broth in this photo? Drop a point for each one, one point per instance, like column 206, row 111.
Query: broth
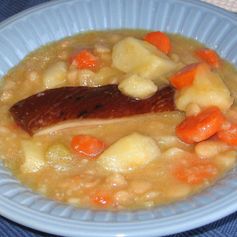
column 68, row 177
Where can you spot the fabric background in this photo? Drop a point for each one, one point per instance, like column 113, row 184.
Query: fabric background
column 226, row 227
column 230, row 5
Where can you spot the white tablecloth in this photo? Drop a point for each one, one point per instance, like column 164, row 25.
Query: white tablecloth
column 230, row 5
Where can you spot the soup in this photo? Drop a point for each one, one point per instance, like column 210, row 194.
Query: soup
column 114, row 157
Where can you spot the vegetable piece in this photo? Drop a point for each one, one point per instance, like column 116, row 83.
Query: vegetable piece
column 200, row 127
column 209, row 56
column 58, row 156
column 184, row 77
column 87, row 146
column 229, row 135
column 129, row 153
column 192, row 109
column 226, row 159
column 207, row 89
column 86, row 77
column 55, row 75
column 104, row 76
column 86, row 60
column 195, row 172
column 107, row 75
column 209, row 148
column 137, row 87
column 136, row 56
column 101, row 198
column 160, row 40
column 33, row 155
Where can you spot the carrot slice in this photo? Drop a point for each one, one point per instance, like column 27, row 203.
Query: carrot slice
column 85, row 60
column 209, row 56
column 200, row 127
column 87, row 146
column 195, row 172
column 185, row 76
column 102, row 199
column 160, row 40
column 229, row 135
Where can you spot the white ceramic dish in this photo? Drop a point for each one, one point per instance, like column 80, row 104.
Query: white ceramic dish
column 48, row 22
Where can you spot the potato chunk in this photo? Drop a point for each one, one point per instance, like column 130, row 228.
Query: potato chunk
column 34, row 157
column 137, row 87
column 55, row 75
column 129, row 153
column 207, row 89
column 107, row 75
column 132, row 55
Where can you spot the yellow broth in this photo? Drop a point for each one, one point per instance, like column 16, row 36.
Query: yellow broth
column 76, row 180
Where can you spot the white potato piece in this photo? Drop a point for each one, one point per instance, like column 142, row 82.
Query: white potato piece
column 55, row 75
column 33, row 156
column 132, row 55
column 107, row 75
column 207, row 89
column 137, row 87
column 129, row 153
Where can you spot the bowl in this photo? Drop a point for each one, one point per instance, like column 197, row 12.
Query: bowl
column 48, row 22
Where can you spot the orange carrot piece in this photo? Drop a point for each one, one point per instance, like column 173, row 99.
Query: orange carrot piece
column 85, row 60
column 102, row 199
column 229, row 135
column 209, row 56
column 160, row 40
column 185, row 76
column 200, row 127
column 195, row 173
column 87, row 146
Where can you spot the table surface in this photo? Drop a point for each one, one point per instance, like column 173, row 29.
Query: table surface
column 224, row 227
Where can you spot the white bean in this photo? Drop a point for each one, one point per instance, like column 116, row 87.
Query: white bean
column 123, row 198
column 86, row 78
column 101, row 48
column 116, row 181
column 151, row 195
column 226, row 159
column 4, row 129
column 178, row 191
column 140, row 186
column 208, row 149
column 74, row 201
column 6, row 95
column 173, row 153
column 192, row 109
column 33, row 76
column 72, row 76
column 63, row 55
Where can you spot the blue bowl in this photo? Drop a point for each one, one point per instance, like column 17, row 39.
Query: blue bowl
column 48, row 22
